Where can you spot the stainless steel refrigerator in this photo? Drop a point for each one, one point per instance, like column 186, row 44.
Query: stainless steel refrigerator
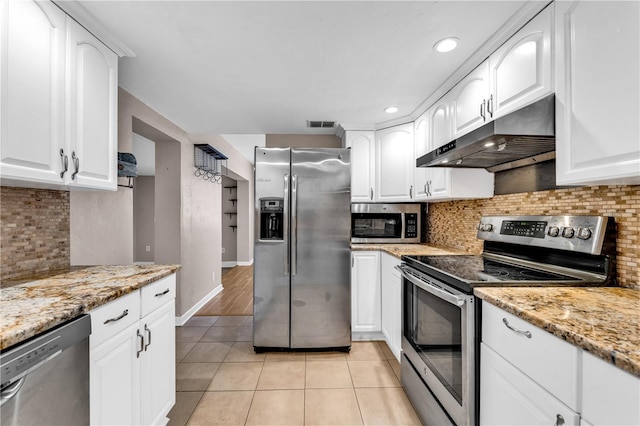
column 301, row 278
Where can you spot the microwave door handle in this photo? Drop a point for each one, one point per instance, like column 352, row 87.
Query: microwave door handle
column 448, row 297
column 285, row 224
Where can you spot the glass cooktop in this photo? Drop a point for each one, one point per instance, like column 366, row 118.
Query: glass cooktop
column 479, row 269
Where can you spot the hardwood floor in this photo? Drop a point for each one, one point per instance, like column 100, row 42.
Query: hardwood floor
column 237, row 296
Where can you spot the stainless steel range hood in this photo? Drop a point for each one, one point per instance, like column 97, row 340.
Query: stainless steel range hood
column 523, row 137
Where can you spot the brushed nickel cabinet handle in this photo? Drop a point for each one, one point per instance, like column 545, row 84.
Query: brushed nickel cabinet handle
column 371, row 196
column 65, row 162
column 148, row 331
column 162, row 293
column 526, row 333
column 76, row 164
column 124, row 314
column 490, row 106
column 141, row 337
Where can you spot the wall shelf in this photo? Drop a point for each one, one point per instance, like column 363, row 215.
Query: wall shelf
column 231, row 214
column 231, row 188
column 233, row 227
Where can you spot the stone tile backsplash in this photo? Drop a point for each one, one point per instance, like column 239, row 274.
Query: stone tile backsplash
column 453, row 223
column 34, row 231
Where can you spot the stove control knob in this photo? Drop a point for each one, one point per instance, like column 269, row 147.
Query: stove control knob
column 568, row 232
column 584, row 233
column 487, row 227
column 553, row 231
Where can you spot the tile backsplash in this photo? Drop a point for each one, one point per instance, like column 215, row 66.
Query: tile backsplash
column 34, row 231
column 453, row 223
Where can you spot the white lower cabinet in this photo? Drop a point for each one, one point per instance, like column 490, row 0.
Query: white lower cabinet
column 132, row 357
column 610, row 396
column 509, row 397
column 390, row 288
column 530, row 377
column 365, row 293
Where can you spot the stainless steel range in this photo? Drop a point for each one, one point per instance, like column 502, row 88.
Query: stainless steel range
column 441, row 317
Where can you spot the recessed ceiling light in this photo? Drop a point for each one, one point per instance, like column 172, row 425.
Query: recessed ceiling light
column 489, row 144
column 446, row 45
column 391, row 109
column 445, row 161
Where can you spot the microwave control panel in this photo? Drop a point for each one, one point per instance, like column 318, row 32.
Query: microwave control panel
column 411, row 224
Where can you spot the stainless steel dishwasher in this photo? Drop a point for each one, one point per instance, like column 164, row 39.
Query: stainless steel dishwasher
column 45, row 380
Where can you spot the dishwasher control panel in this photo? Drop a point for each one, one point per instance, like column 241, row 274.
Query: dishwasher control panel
column 33, row 357
column 17, row 360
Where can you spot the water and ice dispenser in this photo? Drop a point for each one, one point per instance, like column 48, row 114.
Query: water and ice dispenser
column 271, row 218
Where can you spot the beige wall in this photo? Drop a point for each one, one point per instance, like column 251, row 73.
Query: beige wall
column 143, row 219
column 303, row 141
column 187, row 208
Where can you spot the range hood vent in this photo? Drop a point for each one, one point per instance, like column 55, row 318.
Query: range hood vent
column 523, row 137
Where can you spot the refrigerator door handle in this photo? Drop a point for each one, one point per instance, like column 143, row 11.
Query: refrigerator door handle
column 285, row 225
column 294, row 225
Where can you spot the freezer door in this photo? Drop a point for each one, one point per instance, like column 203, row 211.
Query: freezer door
column 271, row 292
column 320, row 251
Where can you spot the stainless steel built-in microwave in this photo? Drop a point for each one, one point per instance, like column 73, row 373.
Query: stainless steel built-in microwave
column 385, row 223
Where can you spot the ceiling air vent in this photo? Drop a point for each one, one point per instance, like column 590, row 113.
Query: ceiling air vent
column 321, row 124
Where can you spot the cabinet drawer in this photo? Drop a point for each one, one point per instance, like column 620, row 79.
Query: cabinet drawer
column 158, row 293
column 110, row 319
column 546, row 359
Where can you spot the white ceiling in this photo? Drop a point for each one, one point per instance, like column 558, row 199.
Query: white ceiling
column 227, row 67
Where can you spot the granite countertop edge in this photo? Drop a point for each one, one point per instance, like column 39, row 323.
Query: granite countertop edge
column 587, row 328
column 32, row 307
column 399, row 250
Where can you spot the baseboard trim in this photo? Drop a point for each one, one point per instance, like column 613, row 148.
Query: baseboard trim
column 229, row 264
column 180, row 321
column 249, row 263
column 366, row 335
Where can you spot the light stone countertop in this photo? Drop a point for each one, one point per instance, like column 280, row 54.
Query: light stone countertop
column 399, row 250
column 604, row 321
column 29, row 308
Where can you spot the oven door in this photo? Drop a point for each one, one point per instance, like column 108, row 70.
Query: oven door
column 438, row 339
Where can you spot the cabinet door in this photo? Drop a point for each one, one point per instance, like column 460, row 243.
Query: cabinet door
column 469, row 101
column 521, row 68
column 32, row 40
column 609, row 395
column 115, row 380
column 362, row 145
column 92, row 94
column 395, row 164
column 158, row 364
column 365, row 291
column 390, row 284
column 421, row 177
column 598, row 93
column 509, row 397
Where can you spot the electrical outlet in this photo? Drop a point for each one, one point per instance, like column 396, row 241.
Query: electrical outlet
column 223, row 250
column 147, row 248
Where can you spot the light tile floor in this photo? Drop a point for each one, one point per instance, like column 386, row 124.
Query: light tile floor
column 220, row 380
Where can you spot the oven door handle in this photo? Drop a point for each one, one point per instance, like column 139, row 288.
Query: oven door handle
column 451, row 298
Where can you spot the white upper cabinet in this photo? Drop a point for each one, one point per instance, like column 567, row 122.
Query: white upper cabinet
column 469, row 101
column 93, row 92
column 395, row 164
column 32, row 69
column 598, row 93
column 362, row 144
column 520, row 69
column 432, row 130
column 59, row 101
